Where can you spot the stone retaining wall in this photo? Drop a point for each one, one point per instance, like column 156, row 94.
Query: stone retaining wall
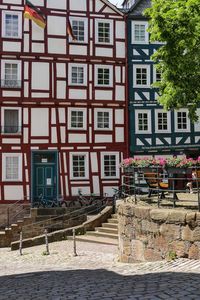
column 149, row 234
column 60, row 235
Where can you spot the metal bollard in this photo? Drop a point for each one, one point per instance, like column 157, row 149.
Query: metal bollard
column 74, row 241
column 20, row 243
column 46, row 242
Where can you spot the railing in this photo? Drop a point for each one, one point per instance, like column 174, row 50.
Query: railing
column 13, row 211
column 61, row 221
column 152, row 182
column 11, row 129
column 10, row 83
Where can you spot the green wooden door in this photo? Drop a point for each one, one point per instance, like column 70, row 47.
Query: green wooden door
column 44, row 174
column 45, row 181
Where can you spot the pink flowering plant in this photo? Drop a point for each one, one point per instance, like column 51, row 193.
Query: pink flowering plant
column 142, row 162
column 175, row 162
column 180, row 162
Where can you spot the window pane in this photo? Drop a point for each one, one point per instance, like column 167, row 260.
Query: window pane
column 12, row 167
column 103, row 120
column 103, row 76
column 11, row 25
column 78, row 30
column 77, row 119
column 11, row 121
column 142, row 122
column 103, row 32
column 78, row 165
column 110, row 166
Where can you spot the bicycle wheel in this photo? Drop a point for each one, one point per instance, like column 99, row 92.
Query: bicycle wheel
column 74, row 203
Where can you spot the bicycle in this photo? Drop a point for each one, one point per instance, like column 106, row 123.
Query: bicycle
column 46, row 203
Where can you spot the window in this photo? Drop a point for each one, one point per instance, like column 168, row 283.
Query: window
column 77, row 118
column 141, row 75
column 142, row 121
column 162, row 121
column 11, row 120
column 79, row 165
column 104, row 76
column 104, row 30
column 157, row 75
column 110, row 163
column 103, row 119
column 77, row 74
column 139, row 32
column 182, row 121
column 79, row 28
column 10, row 74
column 12, row 167
column 12, row 24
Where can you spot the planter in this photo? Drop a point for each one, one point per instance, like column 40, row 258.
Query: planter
column 174, row 170
column 151, row 169
column 178, row 178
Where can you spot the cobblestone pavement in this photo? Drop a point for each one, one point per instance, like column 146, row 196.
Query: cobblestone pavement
column 95, row 274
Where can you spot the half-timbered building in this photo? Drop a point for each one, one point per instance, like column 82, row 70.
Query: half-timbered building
column 153, row 131
column 62, row 99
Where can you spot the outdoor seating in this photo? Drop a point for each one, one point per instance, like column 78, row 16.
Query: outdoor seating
column 155, row 184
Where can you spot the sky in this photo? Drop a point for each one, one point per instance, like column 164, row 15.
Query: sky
column 116, row 2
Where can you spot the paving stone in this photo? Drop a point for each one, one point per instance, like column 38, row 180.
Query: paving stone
column 95, row 274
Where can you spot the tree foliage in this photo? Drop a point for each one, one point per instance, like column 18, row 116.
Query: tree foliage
column 176, row 23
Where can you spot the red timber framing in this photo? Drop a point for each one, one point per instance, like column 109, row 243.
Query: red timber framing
column 46, row 78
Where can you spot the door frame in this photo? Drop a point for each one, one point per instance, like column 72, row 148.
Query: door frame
column 33, row 152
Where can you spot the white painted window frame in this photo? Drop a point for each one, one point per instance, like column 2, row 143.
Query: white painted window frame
column 8, row 61
column 145, row 23
column 110, row 111
column 86, row 165
column 117, row 165
column 110, row 75
column 97, row 21
column 84, row 110
column 10, row 12
column 154, row 74
column 168, row 130
column 4, row 155
column 19, row 118
column 148, row 112
column 147, row 67
column 84, row 66
column 176, row 121
column 85, row 20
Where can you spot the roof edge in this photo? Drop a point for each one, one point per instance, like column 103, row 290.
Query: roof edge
column 113, row 7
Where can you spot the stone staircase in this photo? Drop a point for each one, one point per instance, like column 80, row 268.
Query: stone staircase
column 106, row 234
column 37, row 221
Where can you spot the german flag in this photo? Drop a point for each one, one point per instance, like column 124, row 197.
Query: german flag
column 70, row 31
column 32, row 13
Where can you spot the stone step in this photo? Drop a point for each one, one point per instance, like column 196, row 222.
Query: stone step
column 110, row 225
column 95, row 239
column 14, row 225
column 114, row 216
column 113, row 221
column 102, row 234
column 106, row 230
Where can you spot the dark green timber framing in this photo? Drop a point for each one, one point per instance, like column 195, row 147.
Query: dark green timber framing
column 143, row 99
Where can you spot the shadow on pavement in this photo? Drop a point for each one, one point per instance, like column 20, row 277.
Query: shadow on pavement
column 99, row 284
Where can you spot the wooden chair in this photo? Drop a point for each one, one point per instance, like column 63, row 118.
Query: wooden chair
column 155, row 184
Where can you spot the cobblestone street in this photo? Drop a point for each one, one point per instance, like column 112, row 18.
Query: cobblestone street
column 94, row 274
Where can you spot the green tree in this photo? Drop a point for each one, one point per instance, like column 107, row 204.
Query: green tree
column 176, row 23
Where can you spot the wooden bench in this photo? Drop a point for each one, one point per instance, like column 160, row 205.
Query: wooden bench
column 155, row 183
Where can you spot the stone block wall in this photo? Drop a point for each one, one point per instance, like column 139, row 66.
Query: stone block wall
column 149, row 234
